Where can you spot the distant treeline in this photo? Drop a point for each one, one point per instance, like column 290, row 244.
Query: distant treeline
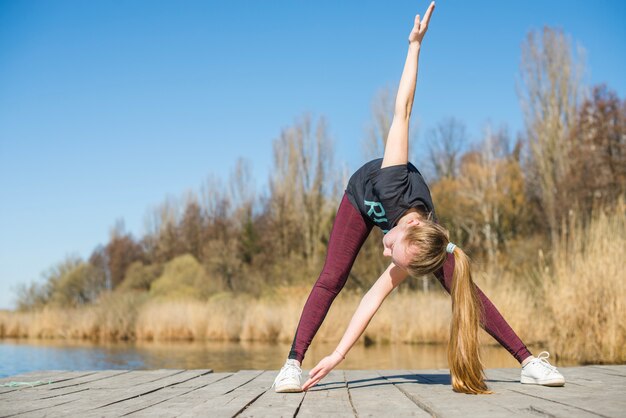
column 502, row 199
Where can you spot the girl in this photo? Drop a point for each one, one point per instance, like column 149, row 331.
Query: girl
column 390, row 193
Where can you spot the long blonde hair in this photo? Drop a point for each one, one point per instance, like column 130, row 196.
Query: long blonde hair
column 466, row 369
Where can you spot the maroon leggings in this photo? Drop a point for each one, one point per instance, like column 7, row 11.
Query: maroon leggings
column 349, row 232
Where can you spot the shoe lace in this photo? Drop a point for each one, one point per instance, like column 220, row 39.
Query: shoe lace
column 288, row 371
column 542, row 359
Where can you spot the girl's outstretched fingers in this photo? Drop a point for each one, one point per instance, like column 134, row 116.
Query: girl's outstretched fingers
column 429, row 12
column 310, row 383
column 420, row 26
column 318, row 372
column 315, row 375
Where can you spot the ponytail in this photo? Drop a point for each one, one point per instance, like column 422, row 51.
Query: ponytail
column 433, row 243
column 464, row 360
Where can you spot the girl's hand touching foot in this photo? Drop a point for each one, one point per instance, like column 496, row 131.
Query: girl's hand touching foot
column 324, row 367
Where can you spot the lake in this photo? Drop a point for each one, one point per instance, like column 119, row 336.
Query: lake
column 18, row 356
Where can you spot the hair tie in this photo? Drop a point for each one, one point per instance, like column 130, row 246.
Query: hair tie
column 450, row 247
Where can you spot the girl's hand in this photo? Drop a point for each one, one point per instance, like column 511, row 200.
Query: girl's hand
column 322, row 369
column 419, row 30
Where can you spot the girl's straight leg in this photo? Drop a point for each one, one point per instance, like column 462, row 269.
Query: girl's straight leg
column 493, row 322
column 349, row 232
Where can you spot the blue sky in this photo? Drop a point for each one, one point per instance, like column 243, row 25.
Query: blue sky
column 107, row 107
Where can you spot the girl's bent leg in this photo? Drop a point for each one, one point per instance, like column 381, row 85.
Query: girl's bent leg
column 349, row 232
column 493, row 322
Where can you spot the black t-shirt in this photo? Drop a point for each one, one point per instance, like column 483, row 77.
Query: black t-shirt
column 383, row 195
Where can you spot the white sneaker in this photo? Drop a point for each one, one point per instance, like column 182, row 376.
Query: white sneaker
column 539, row 371
column 288, row 380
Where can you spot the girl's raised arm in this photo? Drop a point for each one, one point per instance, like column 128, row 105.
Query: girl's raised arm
column 397, row 146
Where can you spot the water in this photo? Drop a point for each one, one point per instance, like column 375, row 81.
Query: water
column 19, row 356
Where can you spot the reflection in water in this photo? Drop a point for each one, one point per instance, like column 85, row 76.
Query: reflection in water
column 18, row 356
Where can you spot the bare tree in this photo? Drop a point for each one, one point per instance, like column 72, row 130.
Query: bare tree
column 242, row 189
column 161, row 240
column 551, row 90
column 378, row 129
column 192, row 227
column 597, row 175
column 382, row 109
column 214, row 199
column 121, row 251
column 300, row 184
column 445, row 144
column 480, row 184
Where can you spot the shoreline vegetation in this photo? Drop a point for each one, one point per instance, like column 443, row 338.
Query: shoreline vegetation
column 541, row 215
column 576, row 311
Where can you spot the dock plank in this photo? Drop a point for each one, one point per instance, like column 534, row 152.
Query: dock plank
column 619, row 370
column 135, row 405
column 235, row 401
column 590, row 391
column 272, row 404
column 179, row 405
column 99, row 394
column 547, row 399
column 584, row 391
column 66, row 386
column 373, row 395
column 431, row 391
column 47, row 378
column 111, row 380
column 591, row 373
column 329, row 397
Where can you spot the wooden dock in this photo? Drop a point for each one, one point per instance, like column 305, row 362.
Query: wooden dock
column 590, row 391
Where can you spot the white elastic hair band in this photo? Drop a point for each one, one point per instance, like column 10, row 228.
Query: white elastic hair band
column 450, row 247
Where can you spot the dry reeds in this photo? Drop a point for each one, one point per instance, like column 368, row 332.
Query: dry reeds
column 575, row 308
column 232, row 318
column 585, row 292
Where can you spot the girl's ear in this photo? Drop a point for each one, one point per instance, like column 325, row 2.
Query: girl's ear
column 414, row 222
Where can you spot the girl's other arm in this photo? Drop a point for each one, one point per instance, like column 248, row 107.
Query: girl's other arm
column 397, row 145
column 370, row 303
